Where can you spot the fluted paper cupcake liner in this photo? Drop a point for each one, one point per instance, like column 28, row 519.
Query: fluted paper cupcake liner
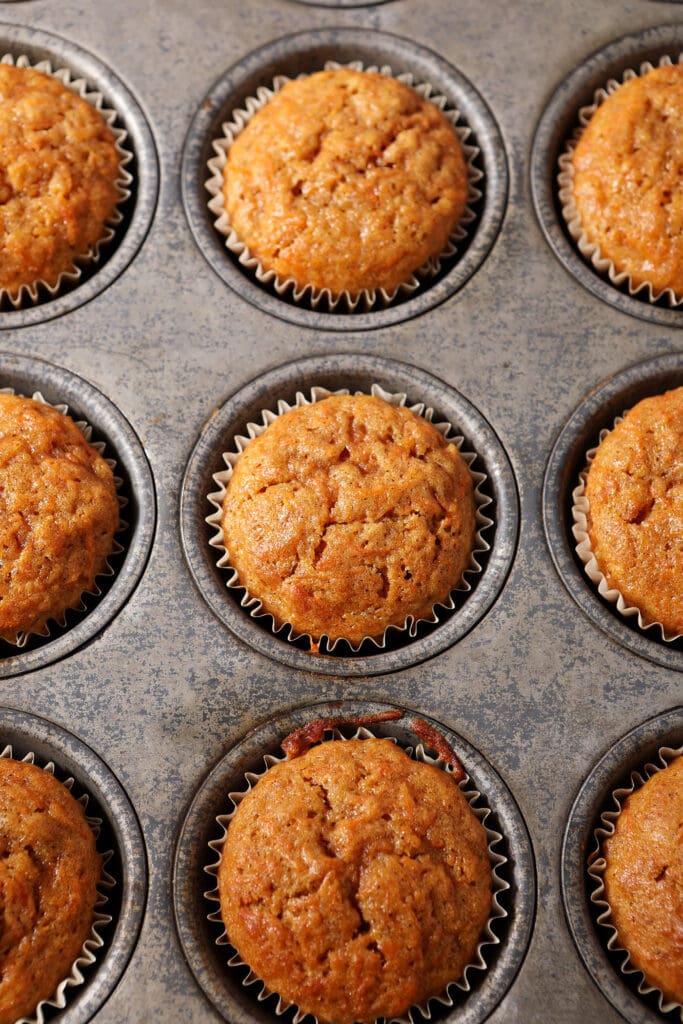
column 94, row 943
column 368, row 298
column 584, row 550
column 596, row 872
column 21, row 638
column 31, row 293
column 488, row 938
column 410, row 626
column 565, row 179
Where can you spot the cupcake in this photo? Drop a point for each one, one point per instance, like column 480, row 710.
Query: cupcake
column 348, row 516
column 58, row 515
column 643, row 881
column 634, row 517
column 354, row 881
column 622, row 183
column 59, row 167
column 345, row 182
column 49, row 871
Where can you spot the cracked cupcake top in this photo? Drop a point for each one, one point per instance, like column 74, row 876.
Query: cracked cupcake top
column 635, row 518
column 348, row 515
column 354, row 881
column 49, row 870
column 58, row 169
column 644, row 879
column 346, row 180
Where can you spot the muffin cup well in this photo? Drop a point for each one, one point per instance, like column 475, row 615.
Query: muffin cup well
column 497, row 861
column 367, row 299
column 21, row 637
column 94, row 943
column 30, row 293
column 584, row 550
column 597, row 865
column 565, row 179
column 410, row 625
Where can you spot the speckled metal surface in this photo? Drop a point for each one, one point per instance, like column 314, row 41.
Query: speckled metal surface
column 165, row 690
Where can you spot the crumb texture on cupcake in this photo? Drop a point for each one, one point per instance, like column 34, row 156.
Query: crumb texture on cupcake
column 58, row 514
column 628, row 179
column 635, row 518
column 58, row 170
column 348, row 515
column 644, row 879
column 346, row 180
column 354, row 881
column 49, row 870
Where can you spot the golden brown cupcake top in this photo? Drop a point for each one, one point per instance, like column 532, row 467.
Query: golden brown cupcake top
column 644, row 879
column 635, row 494
column 58, row 169
column 346, row 180
column 354, row 881
column 49, row 870
column 347, row 515
column 58, row 514
column 628, row 184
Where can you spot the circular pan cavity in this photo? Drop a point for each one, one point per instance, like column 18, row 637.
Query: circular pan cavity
column 198, row 935
column 307, row 52
column 567, row 459
column 25, row 375
column 556, row 126
column 357, row 373
column 137, row 211
column 628, row 754
column 120, row 832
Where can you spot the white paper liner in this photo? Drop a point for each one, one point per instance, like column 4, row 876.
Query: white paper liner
column 22, row 637
column 253, row 604
column 30, row 293
column 565, row 179
column 499, row 884
column 369, row 297
column 597, row 865
column 95, row 942
column 585, row 551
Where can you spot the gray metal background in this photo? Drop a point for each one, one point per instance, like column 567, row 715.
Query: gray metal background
column 166, row 690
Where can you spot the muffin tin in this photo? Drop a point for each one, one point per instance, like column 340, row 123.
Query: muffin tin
column 167, row 349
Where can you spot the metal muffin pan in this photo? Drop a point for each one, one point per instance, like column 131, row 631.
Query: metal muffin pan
column 357, row 373
column 26, row 376
column 137, row 211
column 119, row 832
column 630, row 753
column 161, row 688
column 307, row 52
column 556, row 127
column 597, row 412
column 223, row 985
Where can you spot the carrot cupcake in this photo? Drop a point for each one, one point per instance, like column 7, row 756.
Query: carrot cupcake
column 58, row 515
column 354, row 881
column 346, row 181
column 348, row 516
column 59, row 166
column 634, row 491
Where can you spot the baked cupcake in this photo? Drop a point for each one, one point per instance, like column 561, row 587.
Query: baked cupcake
column 59, row 166
column 634, row 494
column 643, row 880
column 347, row 516
column 626, row 186
column 345, row 182
column 49, row 871
column 354, row 881
column 58, row 515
